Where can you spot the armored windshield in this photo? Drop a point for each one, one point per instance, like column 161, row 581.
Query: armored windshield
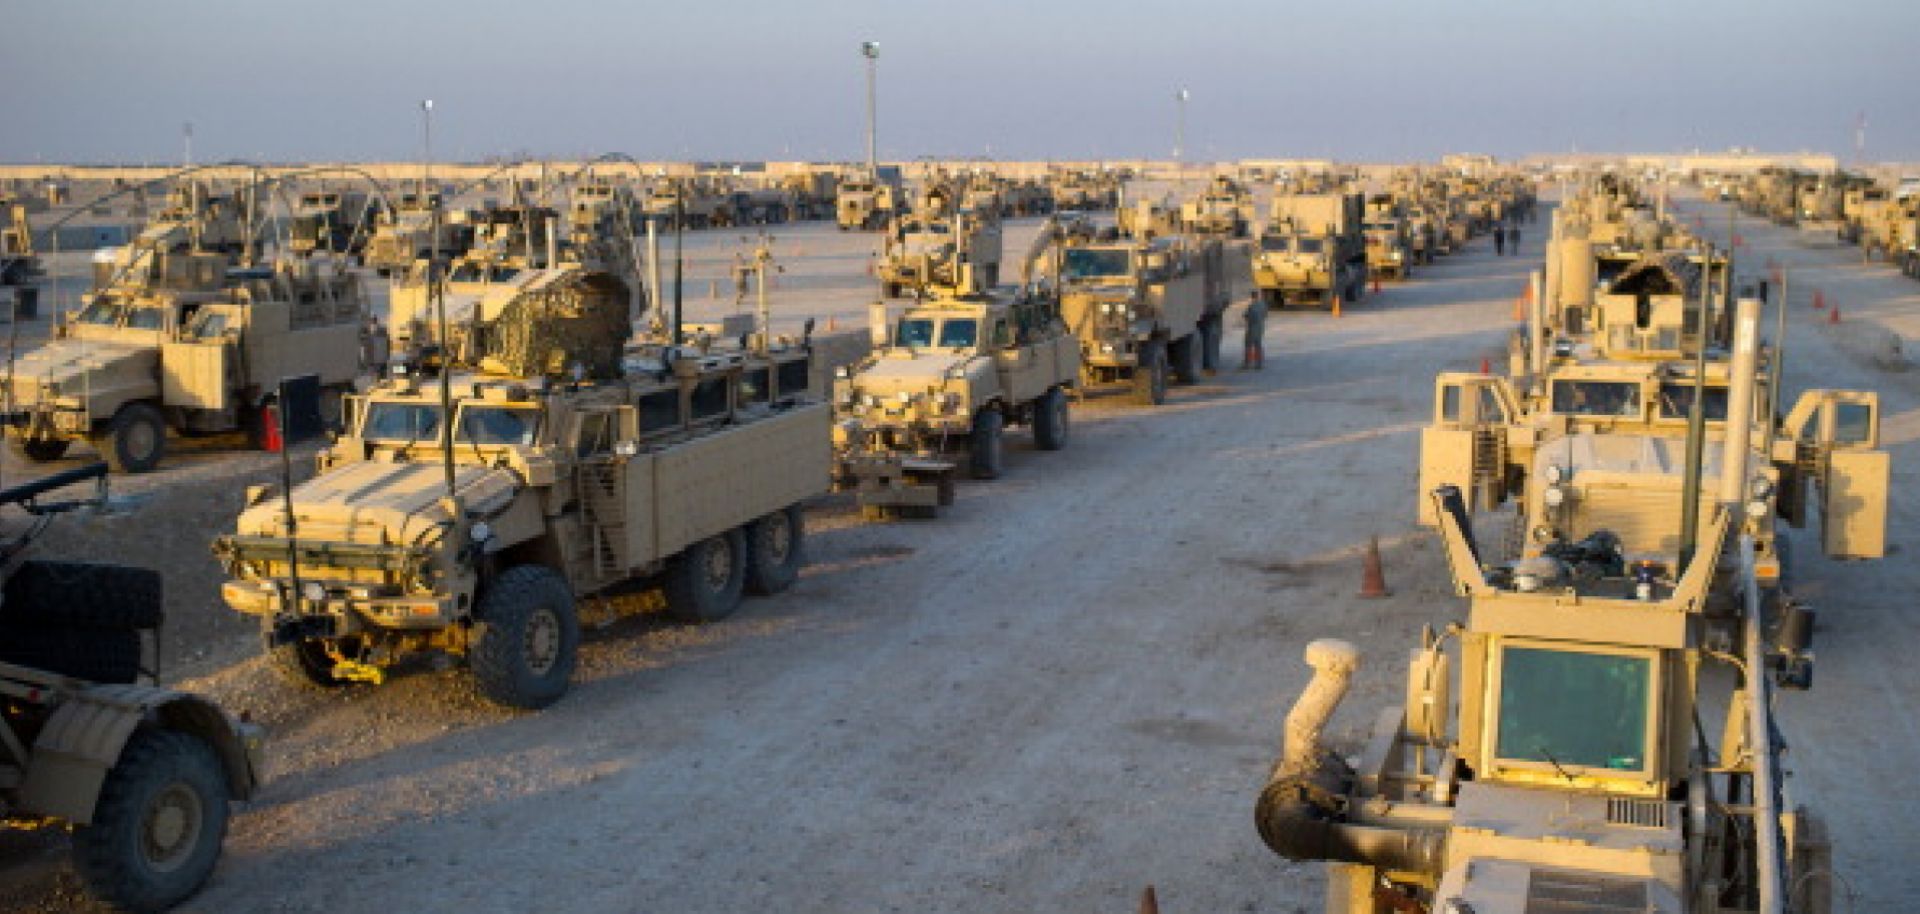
column 207, row 325
column 499, row 425
column 402, row 422
column 1574, row 709
column 102, row 311
column 915, row 332
column 1676, row 402
column 147, row 318
column 1089, row 263
column 1310, row 245
column 1275, row 242
column 959, row 333
column 1596, row 398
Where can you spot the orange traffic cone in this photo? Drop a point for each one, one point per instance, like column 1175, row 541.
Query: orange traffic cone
column 1819, row 300
column 1376, row 285
column 1519, row 309
column 1373, row 581
column 1486, row 365
column 833, row 323
column 1149, row 902
column 1336, row 306
column 1833, row 317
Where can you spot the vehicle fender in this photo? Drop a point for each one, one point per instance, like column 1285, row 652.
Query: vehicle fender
column 83, row 739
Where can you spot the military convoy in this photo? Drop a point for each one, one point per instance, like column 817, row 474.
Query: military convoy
column 1144, row 310
column 1224, row 209
column 183, row 332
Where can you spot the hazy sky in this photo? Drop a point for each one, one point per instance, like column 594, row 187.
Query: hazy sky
column 113, row 80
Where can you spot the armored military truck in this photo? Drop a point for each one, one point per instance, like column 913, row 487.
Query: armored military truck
column 1224, row 209
column 928, row 247
column 142, row 774
column 406, row 233
column 692, row 474
column 951, row 374
column 1145, row 310
column 185, row 338
column 334, row 221
column 868, row 199
column 1311, row 251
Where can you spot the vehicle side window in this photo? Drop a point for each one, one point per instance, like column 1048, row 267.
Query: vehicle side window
column 659, row 411
column 710, row 399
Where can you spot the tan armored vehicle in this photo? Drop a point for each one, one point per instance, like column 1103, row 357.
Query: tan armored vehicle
column 693, row 203
column 1086, row 189
column 952, row 373
column 339, row 222
column 931, row 246
column 406, row 233
column 1579, row 772
column 1145, row 310
column 693, row 474
column 868, row 199
column 1390, row 253
column 88, row 738
column 1312, row 251
column 1224, row 209
column 185, row 338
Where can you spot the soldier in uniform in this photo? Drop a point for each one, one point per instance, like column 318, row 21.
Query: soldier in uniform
column 1255, row 357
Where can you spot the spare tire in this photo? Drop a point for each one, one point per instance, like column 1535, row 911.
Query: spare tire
column 96, row 655
column 83, row 595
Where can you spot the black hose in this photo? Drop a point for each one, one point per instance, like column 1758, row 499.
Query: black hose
column 1295, row 827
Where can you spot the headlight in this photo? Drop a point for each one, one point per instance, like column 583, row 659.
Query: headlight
column 1554, row 496
column 1757, row 509
column 480, row 532
column 313, row 592
column 905, row 397
column 957, row 373
column 842, row 372
column 1542, row 533
column 1555, row 473
column 1761, row 487
column 1106, row 308
column 869, row 400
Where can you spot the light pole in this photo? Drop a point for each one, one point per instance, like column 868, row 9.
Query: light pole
column 871, row 51
column 426, row 144
column 186, row 140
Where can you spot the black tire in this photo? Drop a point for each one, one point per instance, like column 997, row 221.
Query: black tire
column 135, row 439
column 529, row 638
column 1050, row 423
column 1150, row 375
column 704, row 582
column 775, row 547
column 39, row 450
column 986, row 451
column 84, row 595
column 305, row 663
column 96, row 655
column 158, row 825
column 1184, row 353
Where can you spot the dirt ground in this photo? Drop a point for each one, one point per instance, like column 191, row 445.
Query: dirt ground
column 1066, row 688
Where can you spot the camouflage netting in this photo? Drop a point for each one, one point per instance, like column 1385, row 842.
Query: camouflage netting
column 580, row 320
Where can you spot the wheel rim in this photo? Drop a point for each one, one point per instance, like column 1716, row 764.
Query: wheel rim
column 542, row 642
column 140, row 440
column 778, row 536
column 171, row 828
column 718, row 568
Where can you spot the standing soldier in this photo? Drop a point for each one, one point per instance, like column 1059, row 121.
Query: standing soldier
column 1499, row 240
column 1255, row 356
column 1513, row 239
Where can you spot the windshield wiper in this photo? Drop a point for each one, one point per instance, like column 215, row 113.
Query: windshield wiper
column 1555, row 763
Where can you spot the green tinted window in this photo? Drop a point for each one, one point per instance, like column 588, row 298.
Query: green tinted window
column 1852, row 423
column 1573, row 708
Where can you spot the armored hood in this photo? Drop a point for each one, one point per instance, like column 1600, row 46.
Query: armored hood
column 65, row 364
column 381, row 503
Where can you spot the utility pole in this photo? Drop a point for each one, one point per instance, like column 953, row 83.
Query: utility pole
column 437, row 290
column 871, row 51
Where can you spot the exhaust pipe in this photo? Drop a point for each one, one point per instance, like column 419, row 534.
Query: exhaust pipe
column 1293, row 814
